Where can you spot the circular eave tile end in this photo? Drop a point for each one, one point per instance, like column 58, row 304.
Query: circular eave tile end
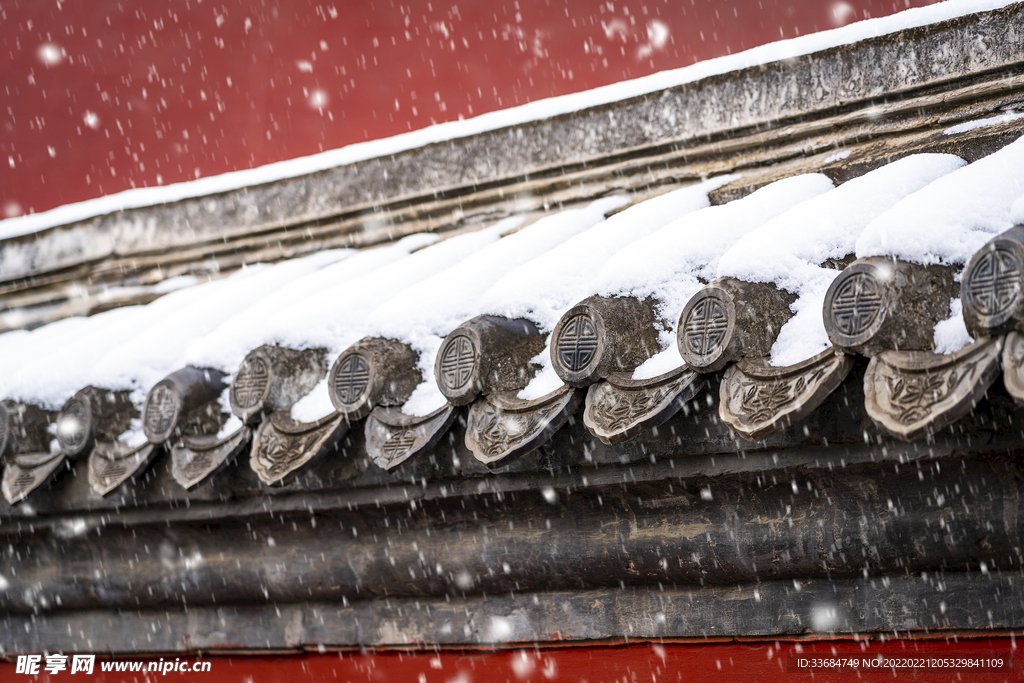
column 578, row 346
column 251, row 385
column 160, row 412
column 855, row 305
column 992, row 285
column 74, row 427
column 352, row 380
column 457, row 368
column 706, row 327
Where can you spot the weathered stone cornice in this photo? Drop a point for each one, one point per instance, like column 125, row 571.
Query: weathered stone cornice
column 913, row 81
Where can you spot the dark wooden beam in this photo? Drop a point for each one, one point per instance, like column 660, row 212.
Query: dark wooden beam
column 934, row 605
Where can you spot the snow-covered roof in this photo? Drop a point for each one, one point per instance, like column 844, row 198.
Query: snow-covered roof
column 793, row 235
column 678, row 262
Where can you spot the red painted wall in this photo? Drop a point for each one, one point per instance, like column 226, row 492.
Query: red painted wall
column 103, row 95
column 744, row 662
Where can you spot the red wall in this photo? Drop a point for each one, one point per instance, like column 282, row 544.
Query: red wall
column 743, row 662
column 104, row 95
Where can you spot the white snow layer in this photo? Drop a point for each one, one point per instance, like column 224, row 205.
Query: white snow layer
column 953, row 217
column 951, row 334
column 534, row 111
column 545, row 287
column 422, row 316
column 671, row 264
column 441, row 292
column 335, row 317
column 949, row 220
column 838, row 156
column 248, row 327
column 982, row 123
column 136, row 346
column 789, row 250
column 1017, row 211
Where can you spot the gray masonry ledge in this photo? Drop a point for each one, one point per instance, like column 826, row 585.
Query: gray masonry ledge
column 370, row 201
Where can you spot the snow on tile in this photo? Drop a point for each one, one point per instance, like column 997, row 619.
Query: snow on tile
column 983, row 123
column 950, row 219
column 424, row 312
column 423, row 315
column 336, row 317
column 132, row 347
column 951, row 334
column 838, row 156
column 789, row 250
column 147, row 356
column 316, row 404
column 1017, row 211
column 534, row 111
column 420, row 315
column 53, row 362
column 254, row 324
column 672, row 263
column 545, row 287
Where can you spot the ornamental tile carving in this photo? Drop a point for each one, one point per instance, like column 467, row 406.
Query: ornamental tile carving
column 282, row 446
column 730, row 319
column 392, row 437
column 74, row 425
column 856, row 304
column 27, row 472
column 373, row 372
column 758, row 400
column 458, row 359
column 1013, row 366
column 352, row 377
column 705, row 326
column 913, row 393
column 620, row 408
column 160, row 412
column 992, row 284
column 196, row 457
column 995, row 281
column 252, row 382
column 113, row 463
column 502, row 427
column 601, row 335
column 577, row 342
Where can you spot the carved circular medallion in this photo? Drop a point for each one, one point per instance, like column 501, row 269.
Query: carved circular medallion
column 160, row 413
column 705, row 326
column 992, row 285
column 577, row 342
column 251, row 383
column 5, row 428
column 73, row 426
column 856, row 304
column 458, row 359
column 351, row 377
